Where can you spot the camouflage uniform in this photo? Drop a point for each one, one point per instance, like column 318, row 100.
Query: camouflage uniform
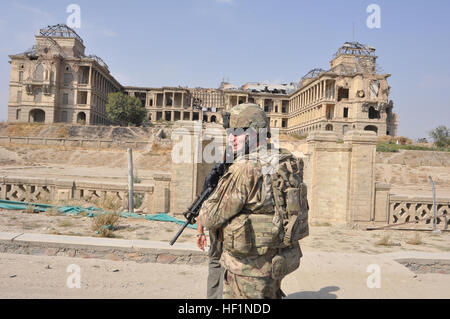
column 245, row 190
column 215, row 269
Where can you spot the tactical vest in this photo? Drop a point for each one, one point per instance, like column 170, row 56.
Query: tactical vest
column 279, row 225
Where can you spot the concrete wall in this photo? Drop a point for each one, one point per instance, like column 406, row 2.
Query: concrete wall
column 87, row 143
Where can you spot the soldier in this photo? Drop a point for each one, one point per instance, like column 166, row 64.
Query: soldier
column 259, row 208
column 215, row 270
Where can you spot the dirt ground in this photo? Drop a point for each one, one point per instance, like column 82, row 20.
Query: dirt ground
column 322, row 237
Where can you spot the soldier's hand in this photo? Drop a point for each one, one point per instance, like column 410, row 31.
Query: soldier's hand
column 201, row 241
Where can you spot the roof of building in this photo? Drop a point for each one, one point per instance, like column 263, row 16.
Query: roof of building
column 355, row 48
column 61, row 31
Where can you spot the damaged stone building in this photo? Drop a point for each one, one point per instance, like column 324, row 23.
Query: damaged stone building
column 56, row 82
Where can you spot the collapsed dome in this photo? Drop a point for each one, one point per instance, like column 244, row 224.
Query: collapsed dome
column 355, row 48
column 61, row 31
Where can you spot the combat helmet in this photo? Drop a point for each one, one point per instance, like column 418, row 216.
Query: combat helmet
column 246, row 116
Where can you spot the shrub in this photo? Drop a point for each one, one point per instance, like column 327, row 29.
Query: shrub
column 105, row 224
column 416, row 240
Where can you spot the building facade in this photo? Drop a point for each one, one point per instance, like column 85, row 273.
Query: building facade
column 56, row 82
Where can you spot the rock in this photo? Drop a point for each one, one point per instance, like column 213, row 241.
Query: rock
column 12, row 276
column 115, row 270
column 48, row 267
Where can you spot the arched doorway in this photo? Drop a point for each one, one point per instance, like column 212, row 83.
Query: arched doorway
column 371, row 128
column 345, row 129
column 37, row 116
column 213, row 119
column 81, row 118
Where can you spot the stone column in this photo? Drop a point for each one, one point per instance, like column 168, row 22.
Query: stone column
column 186, row 136
column 327, row 176
column 362, row 175
column 381, row 209
column 161, row 194
column 2, row 187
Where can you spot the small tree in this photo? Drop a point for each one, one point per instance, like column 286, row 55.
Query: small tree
column 441, row 136
column 124, row 109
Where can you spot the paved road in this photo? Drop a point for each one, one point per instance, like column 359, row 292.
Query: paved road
column 321, row 275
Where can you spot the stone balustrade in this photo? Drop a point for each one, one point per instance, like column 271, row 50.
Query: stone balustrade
column 406, row 209
column 154, row 198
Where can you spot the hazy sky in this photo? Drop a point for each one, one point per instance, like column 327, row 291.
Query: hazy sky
column 196, row 43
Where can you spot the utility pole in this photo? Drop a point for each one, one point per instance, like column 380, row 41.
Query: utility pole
column 130, row 181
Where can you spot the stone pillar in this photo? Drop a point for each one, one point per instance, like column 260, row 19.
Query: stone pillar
column 190, row 167
column 2, row 187
column 362, row 178
column 185, row 157
column 341, row 178
column 327, row 177
column 90, row 75
column 381, row 205
column 161, row 194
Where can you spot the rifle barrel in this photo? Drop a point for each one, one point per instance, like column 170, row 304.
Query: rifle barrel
column 179, row 233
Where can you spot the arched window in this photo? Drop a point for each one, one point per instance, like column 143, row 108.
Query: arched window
column 345, row 129
column 329, row 127
column 39, row 73
column 81, row 118
column 371, row 128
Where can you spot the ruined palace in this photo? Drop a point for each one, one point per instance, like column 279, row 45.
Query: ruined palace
column 55, row 81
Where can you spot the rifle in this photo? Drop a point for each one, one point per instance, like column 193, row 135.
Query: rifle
column 210, row 185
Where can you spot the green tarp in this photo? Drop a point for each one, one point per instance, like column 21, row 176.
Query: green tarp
column 90, row 211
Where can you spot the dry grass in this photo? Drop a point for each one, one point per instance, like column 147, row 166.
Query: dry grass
column 105, row 224
column 292, row 137
column 25, row 129
column 385, row 240
column 30, row 209
column 415, row 240
column 52, row 212
column 109, row 203
column 65, row 223
column 62, row 132
column 159, row 149
column 324, row 224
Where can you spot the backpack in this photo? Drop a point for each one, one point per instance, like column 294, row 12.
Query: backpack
column 254, row 233
column 290, row 195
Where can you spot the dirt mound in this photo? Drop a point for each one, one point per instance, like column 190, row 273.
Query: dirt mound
column 70, row 131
